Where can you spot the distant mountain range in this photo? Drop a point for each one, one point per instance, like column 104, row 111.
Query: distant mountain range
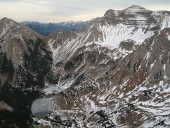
column 47, row 28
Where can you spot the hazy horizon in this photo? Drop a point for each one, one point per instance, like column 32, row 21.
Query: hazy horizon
column 54, row 11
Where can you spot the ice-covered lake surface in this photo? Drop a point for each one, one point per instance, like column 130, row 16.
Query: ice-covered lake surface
column 41, row 107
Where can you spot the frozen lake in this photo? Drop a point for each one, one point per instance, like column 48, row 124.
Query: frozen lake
column 41, row 107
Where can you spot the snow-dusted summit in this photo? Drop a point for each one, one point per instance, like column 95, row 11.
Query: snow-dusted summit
column 135, row 9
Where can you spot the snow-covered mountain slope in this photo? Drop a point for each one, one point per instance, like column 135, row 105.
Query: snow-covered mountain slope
column 114, row 35
column 114, row 73
column 112, row 29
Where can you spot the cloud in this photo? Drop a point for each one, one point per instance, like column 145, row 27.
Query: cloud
column 9, row 0
column 58, row 10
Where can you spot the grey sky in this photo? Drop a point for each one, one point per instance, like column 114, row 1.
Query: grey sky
column 66, row 10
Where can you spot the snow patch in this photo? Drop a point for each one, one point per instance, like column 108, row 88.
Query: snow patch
column 44, row 122
column 55, row 89
column 4, row 31
column 165, row 22
column 114, row 35
column 168, row 37
column 148, row 54
column 153, row 64
column 163, row 19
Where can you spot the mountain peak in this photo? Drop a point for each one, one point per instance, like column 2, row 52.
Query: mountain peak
column 6, row 20
column 135, row 8
column 130, row 10
column 7, row 23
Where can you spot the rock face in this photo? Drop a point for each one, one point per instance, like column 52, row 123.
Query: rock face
column 114, row 73
column 25, row 64
column 12, row 39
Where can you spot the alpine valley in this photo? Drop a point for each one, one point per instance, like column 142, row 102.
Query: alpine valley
column 112, row 73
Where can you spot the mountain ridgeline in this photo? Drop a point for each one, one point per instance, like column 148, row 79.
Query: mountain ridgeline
column 112, row 73
column 48, row 28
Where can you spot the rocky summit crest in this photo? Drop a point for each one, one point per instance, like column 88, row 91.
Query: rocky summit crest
column 135, row 7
